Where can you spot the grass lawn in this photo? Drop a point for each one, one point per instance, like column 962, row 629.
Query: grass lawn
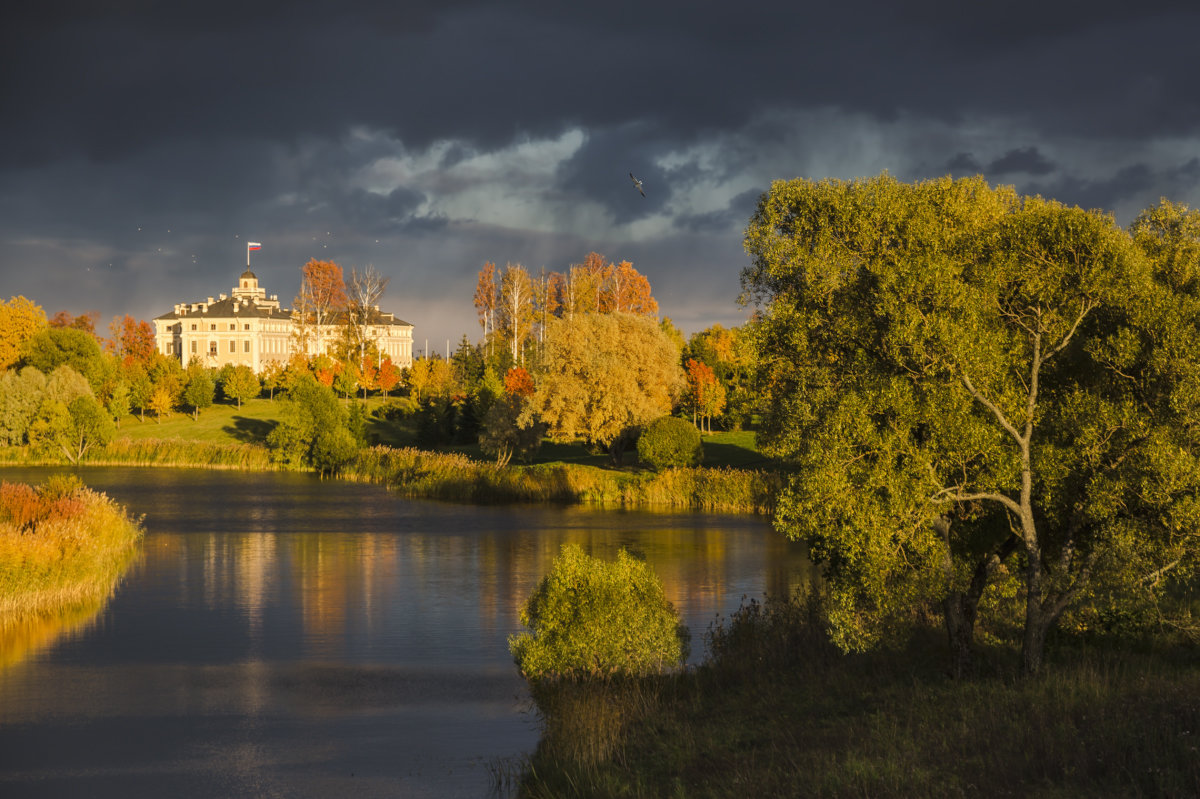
column 221, row 424
column 250, row 424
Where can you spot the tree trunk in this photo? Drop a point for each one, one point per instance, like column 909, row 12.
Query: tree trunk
column 1036, row 621
column 616, row 450
column 959, row 612
column 1034, row 645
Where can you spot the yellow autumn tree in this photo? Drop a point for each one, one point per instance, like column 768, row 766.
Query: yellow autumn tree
column 20, row 319
column 603, row 376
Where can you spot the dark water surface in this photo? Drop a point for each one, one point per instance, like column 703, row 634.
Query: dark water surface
column 285, row 636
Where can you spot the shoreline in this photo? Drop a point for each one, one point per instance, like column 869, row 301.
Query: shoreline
column 423, row 474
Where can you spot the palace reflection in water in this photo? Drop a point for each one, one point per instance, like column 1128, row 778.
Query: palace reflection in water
column 280, row 633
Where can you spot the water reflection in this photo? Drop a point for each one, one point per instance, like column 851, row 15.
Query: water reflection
column 280, row 634
column 21, row 639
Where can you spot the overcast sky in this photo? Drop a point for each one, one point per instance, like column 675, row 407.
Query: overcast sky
column 143, row 142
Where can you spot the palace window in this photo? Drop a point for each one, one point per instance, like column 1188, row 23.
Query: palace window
column 212, row 348
column 247, row 346
column 233, row 346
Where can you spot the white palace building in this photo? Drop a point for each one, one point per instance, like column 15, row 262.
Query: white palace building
column 249, row 328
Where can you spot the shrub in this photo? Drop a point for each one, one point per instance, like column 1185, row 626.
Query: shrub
column 332, row 449
column 669, row 441
column 397, row 409
column 589, row 617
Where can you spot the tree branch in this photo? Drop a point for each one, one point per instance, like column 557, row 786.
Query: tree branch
column 985, row 402
column 956, row 494
column 1084, row 309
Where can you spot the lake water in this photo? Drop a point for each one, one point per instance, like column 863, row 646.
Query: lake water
column 285, row 636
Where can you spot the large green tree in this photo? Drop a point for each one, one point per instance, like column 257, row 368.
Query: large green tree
column 966, row 378
column 52, row 347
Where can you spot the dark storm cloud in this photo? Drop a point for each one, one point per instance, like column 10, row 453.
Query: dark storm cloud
column 964, row 164
column 430, row 136
column 1129, row 189
column 1026, row 160
column 107, row 79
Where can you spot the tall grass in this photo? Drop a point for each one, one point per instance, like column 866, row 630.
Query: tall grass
column 63, row 548
column 777, row 711
column 174, row 452
column 184, row 452
column 451, row 476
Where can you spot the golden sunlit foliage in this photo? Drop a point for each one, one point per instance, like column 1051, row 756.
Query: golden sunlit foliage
column 604, row 375
column 20, row 319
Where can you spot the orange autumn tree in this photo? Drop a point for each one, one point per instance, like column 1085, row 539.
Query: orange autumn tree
column 518, row 383
column 387, row 377
column 630, row 291
column 132, row 340
column 86, row 321
column 368, row 375
column 705, row 395
column 322, row 294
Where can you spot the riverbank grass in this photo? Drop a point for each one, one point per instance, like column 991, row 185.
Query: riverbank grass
column 62, row 547
column 777, row 711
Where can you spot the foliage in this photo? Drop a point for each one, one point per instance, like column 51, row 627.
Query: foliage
column 21, row 395
column 61, row 545
column 313, row 431
column 728, row 353
column 161, row 402
column 199, row 389
column 705, row 396
column 272, row 376
column 71, row 428
column 322, row 295
column 132, row 340
column 241, row 384
column 670, row 442
column 516, row 309
column 592, row 617
column 518, row 382
column 365, row 291
column 388, row 376
column 430, row 377
column 485, row 299
column 20, row 320
column 53, row 347
column 502, row 435
column 345, row 379
column 86, row 321
column 117, row 402
column 168, row 374
column 958, row 374
column 603, row 376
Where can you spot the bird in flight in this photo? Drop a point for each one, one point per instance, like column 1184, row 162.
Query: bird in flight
column 637, row 183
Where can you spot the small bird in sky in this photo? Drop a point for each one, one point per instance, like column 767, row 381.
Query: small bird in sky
column 637, row 183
